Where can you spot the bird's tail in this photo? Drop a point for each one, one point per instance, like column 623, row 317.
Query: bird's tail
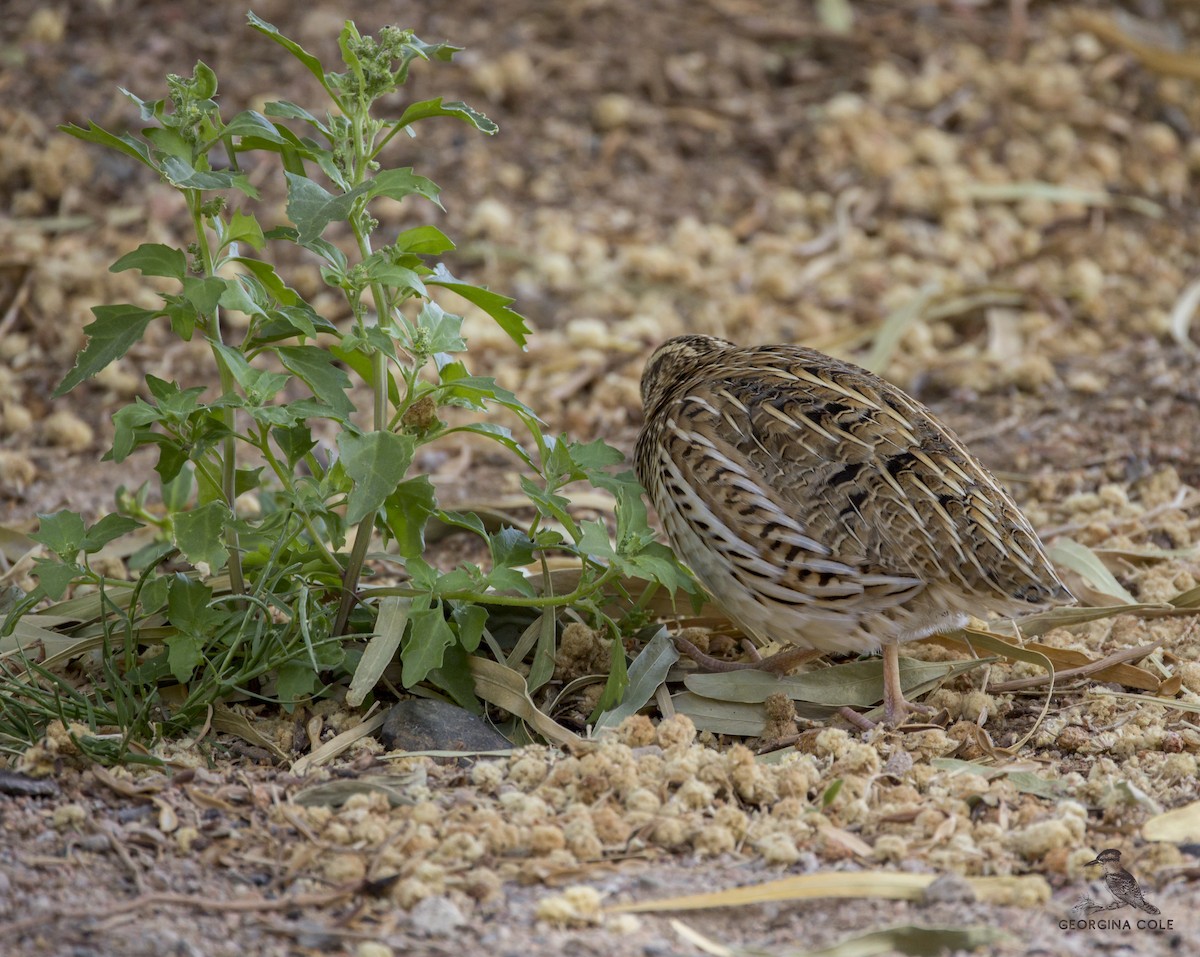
column 1150, row 908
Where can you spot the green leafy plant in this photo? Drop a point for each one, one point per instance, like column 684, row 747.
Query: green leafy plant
column 264, row 604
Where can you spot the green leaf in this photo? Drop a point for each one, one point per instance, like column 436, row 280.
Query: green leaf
column 294, row 441
column 200, row 534
column 494, row 304
column 399, row 183
column 180, row 172
column 645, row 675
column 260, row 386
column 311, row 207
column 316, row 368
column 177, row 491
column 408, row 508
column 470, row 620
column 205, row 294
column 424, row 241
column 254, row 125
column 124, row 143
column 442, row 331
column 188, row 606
column 508, row 579
column 295, row 681
column 310, row 62
column 185, row 652
column 429, row 636
column 594, row 456
column 129, row 426
column 243, row 228
column 112, row 335
column 62, row 532
column 153, row 259
column 594, row 541
column 54, row 576
column 269, row 279
column 376, row 461
column 509, row 547
column 291, row 111
column 436, row 107
column 110, row 527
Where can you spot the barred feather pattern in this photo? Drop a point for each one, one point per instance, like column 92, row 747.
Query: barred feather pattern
column 822, row 506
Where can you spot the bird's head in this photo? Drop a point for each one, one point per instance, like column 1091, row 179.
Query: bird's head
column 674, row 360
column 1108, row 856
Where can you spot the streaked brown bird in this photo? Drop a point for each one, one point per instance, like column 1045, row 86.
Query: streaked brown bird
column 822, row 507
column 1121, row 884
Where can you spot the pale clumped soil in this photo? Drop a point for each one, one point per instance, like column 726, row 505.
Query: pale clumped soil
column 726, row 169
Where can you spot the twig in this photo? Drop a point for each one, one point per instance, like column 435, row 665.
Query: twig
column 1117, row 658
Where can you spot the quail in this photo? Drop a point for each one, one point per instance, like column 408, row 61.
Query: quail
column 1121, row 884
column 821, row 506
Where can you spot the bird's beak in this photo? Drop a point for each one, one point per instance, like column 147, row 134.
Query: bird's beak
column 1091, row 863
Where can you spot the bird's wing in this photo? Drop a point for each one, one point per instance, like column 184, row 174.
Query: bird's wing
column 725, row 488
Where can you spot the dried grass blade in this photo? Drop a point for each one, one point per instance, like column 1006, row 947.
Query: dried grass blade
column 1025, row 890
column 502, row 686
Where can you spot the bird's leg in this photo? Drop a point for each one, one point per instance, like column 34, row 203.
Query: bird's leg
column 781, row 663
column 895, row 706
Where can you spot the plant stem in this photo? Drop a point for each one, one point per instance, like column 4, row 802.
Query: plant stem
column 237, row 581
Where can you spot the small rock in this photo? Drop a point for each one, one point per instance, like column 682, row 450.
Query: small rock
column 436, row 917
column 949, row 889
column 422, row 724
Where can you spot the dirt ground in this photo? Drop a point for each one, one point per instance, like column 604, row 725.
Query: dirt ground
column 1027, row 173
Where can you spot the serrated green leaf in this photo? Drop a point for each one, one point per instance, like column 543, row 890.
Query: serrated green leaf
column 110, row 527
column 310, row 62
column 112, row 335
column 408, row 508
column 509, row 579
column 494, row 304
column 62, row 532
column 289, row 110
column 205, row 294
column 294, row 441
column 317, row 369
column 188, row 605
column 376, row 461
column 295, row 681
column 180, row 172
column 311, row 208
column 55, row 576
column 129, row 422
column 200, row 534
column 424, row 649
column 153, row 259
column 402, row 182
column 124, row 143
column 259, row 385
column 243, row 228
column 442, row 330
column 185, row 652
column 436, row 107
column 510, row 546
